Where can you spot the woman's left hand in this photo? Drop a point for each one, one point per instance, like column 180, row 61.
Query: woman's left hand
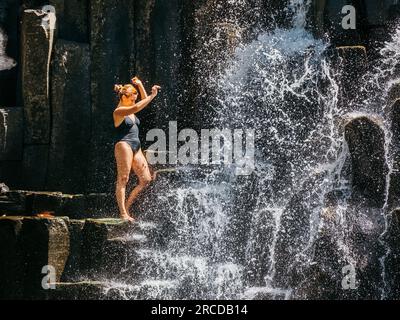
column 136, row 80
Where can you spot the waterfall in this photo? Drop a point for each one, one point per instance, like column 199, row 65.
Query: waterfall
column 290, row 229
column 5, row 62
column 282, row 84
column 4, row 115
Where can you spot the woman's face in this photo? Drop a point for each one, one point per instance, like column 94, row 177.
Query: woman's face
column 130, row 96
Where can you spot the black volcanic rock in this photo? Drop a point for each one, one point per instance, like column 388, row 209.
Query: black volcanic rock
column 71, row 121
column 366, row 140
column 37, row 32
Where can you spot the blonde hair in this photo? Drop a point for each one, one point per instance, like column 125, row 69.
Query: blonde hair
column 123, row 89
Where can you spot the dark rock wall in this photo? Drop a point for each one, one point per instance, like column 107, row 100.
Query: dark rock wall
column 68, row 104
column 112, row 56
column 68, row 115
column 70, row 134
column 372, row 17
column 366, row 141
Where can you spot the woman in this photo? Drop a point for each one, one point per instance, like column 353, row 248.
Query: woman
column 128, row 152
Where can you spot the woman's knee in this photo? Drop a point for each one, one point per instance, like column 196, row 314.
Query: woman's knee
column 123, row 179
column 145, row 181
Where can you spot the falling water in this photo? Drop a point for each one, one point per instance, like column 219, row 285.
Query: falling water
column 4, row 116
column 287, row 230
column 5, row 61
column 385, row 78
column 5, row 64
column 283, row 82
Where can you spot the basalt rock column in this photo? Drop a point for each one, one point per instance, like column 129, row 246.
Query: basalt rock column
column 70, row 138
column 212, row 30
column 112, row 58
column 353, row 64
column 328, row 18
column 366, row 140
column 372, row 19
column 37, row 44
column 11, row 264
column 72, row 19
column 158, row 60
column 36, row 47
column 45, row 242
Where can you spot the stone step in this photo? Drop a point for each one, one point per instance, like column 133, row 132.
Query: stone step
column 77, row 206
column 5, row 202
column 9, row 207
column 160, row 265
column 146, row 290
column 111, row 228
column 83, row 290
column 264, row 293
column 107, row 243
column 102, row 290
column 76, row 248
column 129, row 261
column 27, row 244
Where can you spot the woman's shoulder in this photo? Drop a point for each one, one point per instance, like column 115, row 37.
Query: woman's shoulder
column 118, row 120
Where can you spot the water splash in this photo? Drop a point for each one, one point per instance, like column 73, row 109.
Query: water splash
column 283, row 81
column 4, row 116
column 294, row 221
column 6, row 62
column 385, row 78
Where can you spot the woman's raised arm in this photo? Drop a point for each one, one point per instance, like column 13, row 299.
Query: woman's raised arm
column 142, row 90
column 122, row 111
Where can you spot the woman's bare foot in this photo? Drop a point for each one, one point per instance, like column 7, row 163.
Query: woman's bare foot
column 128, row 218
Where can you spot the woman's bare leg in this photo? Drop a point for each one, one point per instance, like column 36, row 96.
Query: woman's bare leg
column 141, row 169
column 123, row 156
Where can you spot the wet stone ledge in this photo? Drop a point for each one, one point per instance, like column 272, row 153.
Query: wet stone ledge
column 27, row 244
column 82, row 253
column 107, row 244
column 79, row 206
column 84, row 290
column 366, row 140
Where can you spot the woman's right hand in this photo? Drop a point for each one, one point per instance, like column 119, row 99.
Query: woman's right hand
column 154, row 90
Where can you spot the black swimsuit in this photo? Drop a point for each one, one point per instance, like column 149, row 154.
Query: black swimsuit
column 128, row 131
